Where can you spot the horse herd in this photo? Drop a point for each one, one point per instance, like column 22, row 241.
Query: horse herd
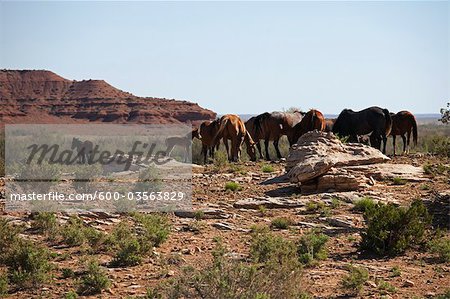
column 355, row 126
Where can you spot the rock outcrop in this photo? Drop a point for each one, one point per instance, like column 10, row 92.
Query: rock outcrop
column 320, row 162
column 44, row 97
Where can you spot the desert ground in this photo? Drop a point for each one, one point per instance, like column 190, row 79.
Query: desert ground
column 193, row 239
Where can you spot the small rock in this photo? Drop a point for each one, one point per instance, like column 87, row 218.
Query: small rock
column 371, row 283
column 408, row 283
column 223, row 226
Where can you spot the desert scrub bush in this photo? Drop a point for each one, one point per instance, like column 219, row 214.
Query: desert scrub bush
column 395, row 272
column 355, row 279
column 436, row 169
column 235, row 168
column 220, row 160
column 46, row 223
column 232, row 186
column 132, row 244
column 318, row 207
column 93, row 280
column 71, row 295
column 85, row 177
column 72, row 232
column 392, row 230
column 311, row 247
column 363, row 204
column 436, row 145
column 31, row 176
column 67, row 273
column 125, row 245
column 275, row 277
column 385, row 287
column 4, row 286
column 398, row 181
column 149, row 179
column 441, row 247
column 266, row 247
column 281, row 223
column 267, row 168
column 9, row 234
column 28, row 264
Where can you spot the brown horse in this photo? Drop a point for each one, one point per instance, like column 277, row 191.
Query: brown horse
column 184, row 141
column 329, row 122
column 231, row 127
column 207, row 132
column 403, row 123
column 271, row 126
column 312, row 120
column 374, row 120
column 250, row 126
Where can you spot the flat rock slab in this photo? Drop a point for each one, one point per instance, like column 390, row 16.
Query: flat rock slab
column 317, row 152
column 205, row 214
column 269, row 202
column 385, row 171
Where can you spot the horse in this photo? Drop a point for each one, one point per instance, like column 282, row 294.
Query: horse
column 183, row 141
column 374, row 120
column 250, row 126
column 207, row 131
column 329, row 122
column 403, row 123
column 231, row 127
column 84, row 149
column 312, row 120
column 271, row 126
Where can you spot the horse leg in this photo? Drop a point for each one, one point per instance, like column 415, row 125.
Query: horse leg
column 277, row 149
column 409, row 140
column 225, row 141
column 404, row 144
column 393, row 143
column 383, row 136
column 266, row 144
column 204, row 152
column 258, row 146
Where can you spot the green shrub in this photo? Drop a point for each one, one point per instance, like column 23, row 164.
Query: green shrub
column 67, row 273
column 436, row 145
column 436, row 169
column 355, row 279
column 155, row 228
column 395, row 272
column 441, row 247
column 233, row 186
column 363, row 204
column 392, row 230
column 318, row 207
column 275, row 276
column 93, row 280
column 267, row 168
column 266, row 247
column 398, row 181
column 281, row 223
column 27, row 263
column 125, row 244
column 46, row 223
column 311, row 247
column 385, row 287
column 73, row 232
column 220, row 160
column 149, row 180
column 33, row 173
column 85, row 176
column 9, row 235
column 3, row 284
column 71, row 295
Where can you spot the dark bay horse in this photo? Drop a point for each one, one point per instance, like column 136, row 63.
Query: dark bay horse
column 329, row 122
column 207, row 131
column 231, row 127
column 84, row 150
column 374, row 120
column 312, row 120
column 182, row 141
column 271, row 126
column 403, row 123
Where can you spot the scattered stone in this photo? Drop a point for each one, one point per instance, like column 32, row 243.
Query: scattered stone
column 408, row 283
column 371, row 284
column 340, row 222
column 206, row 214
column 269, row 202
column 223, row 226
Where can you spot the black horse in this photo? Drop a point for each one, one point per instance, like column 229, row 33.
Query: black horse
column 373, row 120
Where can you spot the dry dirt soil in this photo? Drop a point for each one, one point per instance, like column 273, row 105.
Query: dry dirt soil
column 421, row 275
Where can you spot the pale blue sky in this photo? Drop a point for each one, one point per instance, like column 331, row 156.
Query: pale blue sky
column 242, row 57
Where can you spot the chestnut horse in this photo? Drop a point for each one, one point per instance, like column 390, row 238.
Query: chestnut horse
column 403, row 123
column 207, row 132
column 271, row 126
column 231, row 127
column 312, row 120
column 373, row 120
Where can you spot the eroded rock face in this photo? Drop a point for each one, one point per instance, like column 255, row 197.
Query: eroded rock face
column 317, row 152
column 321, row 163
column 40, row 96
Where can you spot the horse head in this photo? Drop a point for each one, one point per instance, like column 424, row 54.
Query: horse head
column 250, row 145
column 75, row 143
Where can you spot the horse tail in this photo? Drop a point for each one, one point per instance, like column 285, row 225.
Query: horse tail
column 313, row 118
column 222, row 126
column 388, row 118
column 413, row 121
